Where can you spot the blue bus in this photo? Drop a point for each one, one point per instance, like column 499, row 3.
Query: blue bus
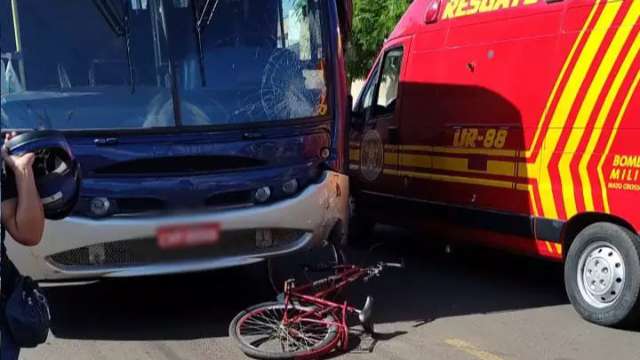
column 210, row 133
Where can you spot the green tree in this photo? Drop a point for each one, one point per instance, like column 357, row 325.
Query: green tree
column 373, row 21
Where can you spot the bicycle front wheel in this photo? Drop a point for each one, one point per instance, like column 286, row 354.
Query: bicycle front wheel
column 261, row 333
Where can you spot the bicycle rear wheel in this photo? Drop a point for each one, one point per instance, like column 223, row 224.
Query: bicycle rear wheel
column 262, row 335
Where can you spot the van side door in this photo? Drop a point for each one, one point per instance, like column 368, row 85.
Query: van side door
column 375, row 128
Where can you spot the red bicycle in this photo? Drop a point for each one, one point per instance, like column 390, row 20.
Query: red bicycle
column 306, row 324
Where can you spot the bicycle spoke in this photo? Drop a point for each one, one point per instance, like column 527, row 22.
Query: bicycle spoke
column 309, row 333
column 311, row 337
column 269, row 320
column 305, row 331
column 294, row 341
column 258, row 330
column 306, row 341
column 258, row 324
column 263, row 324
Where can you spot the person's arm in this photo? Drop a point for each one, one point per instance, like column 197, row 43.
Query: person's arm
column 23, row 216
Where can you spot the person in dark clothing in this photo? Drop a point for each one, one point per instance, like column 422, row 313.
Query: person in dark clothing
column 23, row 217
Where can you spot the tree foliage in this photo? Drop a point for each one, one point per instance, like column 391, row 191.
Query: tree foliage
column 373, row 21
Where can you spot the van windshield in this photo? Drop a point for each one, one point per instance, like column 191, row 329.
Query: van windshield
column 136, row 64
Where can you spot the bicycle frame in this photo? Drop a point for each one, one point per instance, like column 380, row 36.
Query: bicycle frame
column 307, row 313
column 347, row 275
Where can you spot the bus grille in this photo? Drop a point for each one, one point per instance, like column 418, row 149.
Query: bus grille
column 138, row 252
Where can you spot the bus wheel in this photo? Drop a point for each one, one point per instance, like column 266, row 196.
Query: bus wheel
column 602, row 275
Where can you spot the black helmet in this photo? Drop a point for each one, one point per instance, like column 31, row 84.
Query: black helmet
column 56, row 170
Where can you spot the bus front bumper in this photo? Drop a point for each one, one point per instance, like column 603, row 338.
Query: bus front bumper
column 80, row 248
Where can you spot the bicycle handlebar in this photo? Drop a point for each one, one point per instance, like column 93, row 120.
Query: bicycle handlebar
column 394, row 265
column 376, row 270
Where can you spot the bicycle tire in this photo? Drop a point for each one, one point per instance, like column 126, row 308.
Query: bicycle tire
column 326, row 345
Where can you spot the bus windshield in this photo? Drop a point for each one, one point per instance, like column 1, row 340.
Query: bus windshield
column 139, row 64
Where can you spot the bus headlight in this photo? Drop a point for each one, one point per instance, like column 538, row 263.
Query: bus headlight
column 290, row 187
column 100, row 206
column 262, row 194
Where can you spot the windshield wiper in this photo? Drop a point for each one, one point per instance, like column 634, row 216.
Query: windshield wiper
column 127, row 39
column 207, row 8
column 111, row 16
column 199, row 16
column 120, row 25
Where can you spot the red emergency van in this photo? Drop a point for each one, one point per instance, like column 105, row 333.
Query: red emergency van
column 513, row 124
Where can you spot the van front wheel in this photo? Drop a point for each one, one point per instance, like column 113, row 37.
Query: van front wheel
column 602, row 275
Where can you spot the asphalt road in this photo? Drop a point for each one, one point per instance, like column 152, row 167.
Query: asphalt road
column 468, row 305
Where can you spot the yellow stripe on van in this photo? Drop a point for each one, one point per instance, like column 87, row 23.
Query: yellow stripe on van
column 556, row 86
column 475, row 151
column 527, row 170
column 532, row 202
column 558, row 248
column 504, row 168
column 589, row 102
column 604, row 114
column 416, row 148
column 391, row 158
column 562, row 111
column 460, row 151
column 494, row 167
column 354, row 154
column 549, row 248
column 418, row 161
column 623, row 111
column 451, row 179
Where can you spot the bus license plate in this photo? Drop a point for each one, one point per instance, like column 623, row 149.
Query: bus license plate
column 184, row 236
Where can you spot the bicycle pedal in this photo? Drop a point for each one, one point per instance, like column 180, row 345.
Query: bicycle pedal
column 367, row 343
column 366, row 315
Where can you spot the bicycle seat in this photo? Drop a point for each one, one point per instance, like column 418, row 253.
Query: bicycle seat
column 366, row 315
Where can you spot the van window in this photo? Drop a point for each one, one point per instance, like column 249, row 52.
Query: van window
column 389, row 83
column 369, row 90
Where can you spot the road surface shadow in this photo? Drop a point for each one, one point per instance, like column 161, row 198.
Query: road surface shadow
column 433, row 285
column 185, row 307
column 437, row 284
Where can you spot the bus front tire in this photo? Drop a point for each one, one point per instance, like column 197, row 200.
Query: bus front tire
column 602, row 275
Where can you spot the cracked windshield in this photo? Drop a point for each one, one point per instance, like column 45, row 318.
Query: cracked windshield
column 142, row 64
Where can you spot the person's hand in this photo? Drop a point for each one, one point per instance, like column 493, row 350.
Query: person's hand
column 19, row 164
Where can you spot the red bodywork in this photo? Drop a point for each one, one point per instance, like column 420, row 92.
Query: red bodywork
column 521, row 115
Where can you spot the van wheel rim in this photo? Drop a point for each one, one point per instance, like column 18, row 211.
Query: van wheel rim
column 601, row 274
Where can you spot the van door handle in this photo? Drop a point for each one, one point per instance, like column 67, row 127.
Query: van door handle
column 393, row 135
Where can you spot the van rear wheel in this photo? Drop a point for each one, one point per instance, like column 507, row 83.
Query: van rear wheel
column 602, row 275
